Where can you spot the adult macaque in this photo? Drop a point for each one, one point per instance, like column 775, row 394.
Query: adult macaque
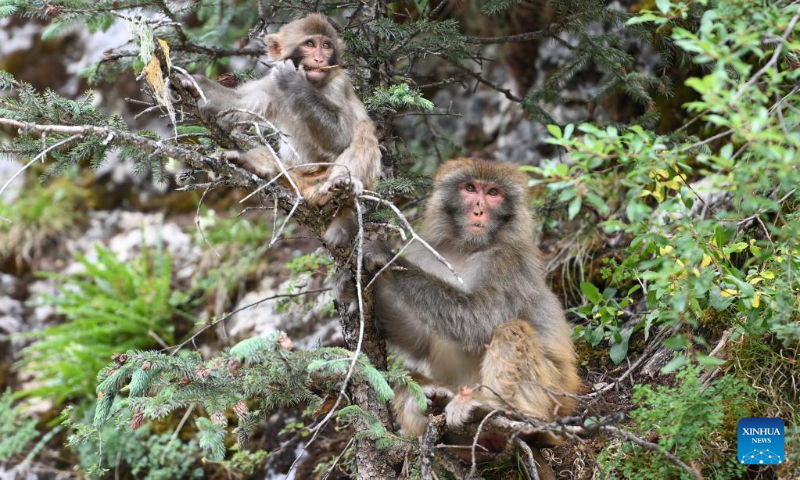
column 315, row 108
column 502, row 328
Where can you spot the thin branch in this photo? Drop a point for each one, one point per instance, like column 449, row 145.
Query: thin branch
column 473, row 468
column 508, row 94
column 362, row 321
column 530, row 461
column 413, row 233
column 654, row 447
column 41, row 156
column 772, row 61
column 229, row 315
column 197, row 221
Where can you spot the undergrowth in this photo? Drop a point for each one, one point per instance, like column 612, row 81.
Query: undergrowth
column 110, row 306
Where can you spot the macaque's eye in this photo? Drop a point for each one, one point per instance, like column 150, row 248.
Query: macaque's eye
column 326, row 45
column 469, row 187
column 310, row 43
column 494, row 192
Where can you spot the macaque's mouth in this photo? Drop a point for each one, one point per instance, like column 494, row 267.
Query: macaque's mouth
column 476, row 227
column 321, row 69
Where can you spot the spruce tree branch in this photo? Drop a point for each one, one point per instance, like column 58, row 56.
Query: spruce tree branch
column 508, row 94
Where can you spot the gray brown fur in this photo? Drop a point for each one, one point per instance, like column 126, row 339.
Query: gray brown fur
column 503, row 328
column 322, row 123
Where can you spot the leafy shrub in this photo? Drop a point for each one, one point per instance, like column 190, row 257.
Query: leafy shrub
column 17, row 429
column 145, row 454
column 685, row 420
column 40, row 218
column 712, row 225
column 113, row 306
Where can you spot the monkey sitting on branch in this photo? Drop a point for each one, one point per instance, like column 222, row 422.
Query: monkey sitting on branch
column 502, row 333
column 327, row 139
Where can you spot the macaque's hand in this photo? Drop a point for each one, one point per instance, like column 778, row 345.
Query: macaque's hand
column 376, row 256
column 188, row 85
column 254, row 161
column 287, row 74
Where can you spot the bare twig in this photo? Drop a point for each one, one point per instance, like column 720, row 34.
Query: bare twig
column 41, row 156
column 360, row 295
column 473, row 468
column 772, row 61
column 654, row 447
column 200, row 227
column 336, row 460
column 229, row 315
column 530, row 461
column 414, row 235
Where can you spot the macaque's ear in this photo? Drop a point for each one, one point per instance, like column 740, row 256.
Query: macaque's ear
column 274, row 45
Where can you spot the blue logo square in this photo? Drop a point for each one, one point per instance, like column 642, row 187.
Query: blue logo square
column 760, row 441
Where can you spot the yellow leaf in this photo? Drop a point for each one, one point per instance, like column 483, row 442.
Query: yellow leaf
column 778, row 259
column 756, row 300
column 644, row 193
column 696, row 272
column 662, row 172
column 166, row 51
column 729, row 292
column 680, row 264
column 659, row 194
column 673, row 184
column 767, row 274
column 706, row 261
column 755, row 280
column 665, row 250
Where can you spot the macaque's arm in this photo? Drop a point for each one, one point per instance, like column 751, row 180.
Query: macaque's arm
column 251, row 96
column 465, row 317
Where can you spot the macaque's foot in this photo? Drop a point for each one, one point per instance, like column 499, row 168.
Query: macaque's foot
column 344, row 286
column 338, row 182
column 341, row 230
column 413, row 421
column 233, row 156
column 438, row 397
column 460, row 410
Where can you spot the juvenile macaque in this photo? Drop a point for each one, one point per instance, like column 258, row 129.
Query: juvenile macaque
column 502, row 328
column 310, row 99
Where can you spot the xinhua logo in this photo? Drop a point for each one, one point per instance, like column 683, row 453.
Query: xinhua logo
column 760, row 441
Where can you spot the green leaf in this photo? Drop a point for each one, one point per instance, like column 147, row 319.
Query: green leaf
column 574, row 207
column 619, row 350
column 674, row 364
column 663, row 5
column 591, row 292
column 709, row 361
column 597, row 203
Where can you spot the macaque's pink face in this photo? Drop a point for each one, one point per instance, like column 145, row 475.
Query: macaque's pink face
column 481, row 200
column 318, row 53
